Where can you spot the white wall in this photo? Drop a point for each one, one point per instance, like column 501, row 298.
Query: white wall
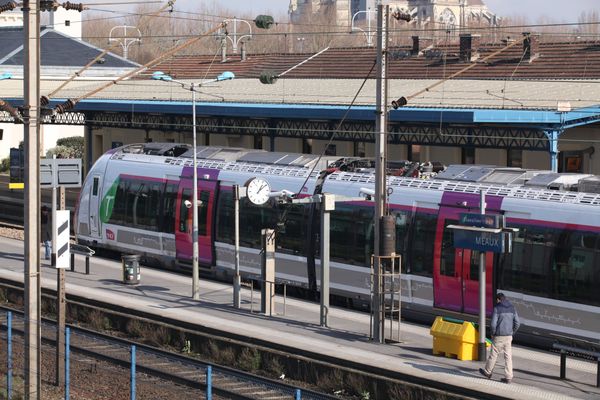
column 13, row 135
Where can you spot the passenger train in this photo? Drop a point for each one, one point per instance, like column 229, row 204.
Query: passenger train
column 134, row 201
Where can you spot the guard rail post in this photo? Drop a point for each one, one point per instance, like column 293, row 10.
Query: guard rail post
column 208, row 382
column 67, row 362
column 132, row 384
column 87, row 265
column 9, row 353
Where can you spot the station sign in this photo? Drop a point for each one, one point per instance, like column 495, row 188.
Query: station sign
column 479, row 240
column 55, row 172
column 492, row 221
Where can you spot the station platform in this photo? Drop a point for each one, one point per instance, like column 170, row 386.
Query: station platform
column 168, row 295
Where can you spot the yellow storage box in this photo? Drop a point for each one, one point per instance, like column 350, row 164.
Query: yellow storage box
column 455, row 338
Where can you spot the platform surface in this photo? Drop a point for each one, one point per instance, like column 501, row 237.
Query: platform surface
column 167, row 294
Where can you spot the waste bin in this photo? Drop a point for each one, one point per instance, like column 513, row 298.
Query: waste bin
column 131, row 269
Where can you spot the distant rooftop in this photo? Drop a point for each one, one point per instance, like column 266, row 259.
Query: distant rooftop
column 560, row 60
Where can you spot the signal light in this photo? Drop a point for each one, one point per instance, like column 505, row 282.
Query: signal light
column 399, row 103
column 264, row 21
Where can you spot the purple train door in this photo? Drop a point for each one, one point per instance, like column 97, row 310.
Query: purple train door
column 456, row 271
column 207, row 189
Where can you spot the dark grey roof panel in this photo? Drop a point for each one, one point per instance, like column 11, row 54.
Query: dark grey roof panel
column 10, row 40
column 62, row 51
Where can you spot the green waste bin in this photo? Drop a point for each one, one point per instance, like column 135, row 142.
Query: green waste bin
column 131, row 269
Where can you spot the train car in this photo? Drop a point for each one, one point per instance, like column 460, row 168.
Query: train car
column 134, row 201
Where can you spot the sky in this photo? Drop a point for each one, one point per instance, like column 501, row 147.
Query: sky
column 558, row 10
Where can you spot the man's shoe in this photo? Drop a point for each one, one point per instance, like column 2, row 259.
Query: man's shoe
column 482, row 372
column 504, row 380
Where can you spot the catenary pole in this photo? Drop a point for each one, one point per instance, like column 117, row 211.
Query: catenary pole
column 482, row 286
column 31, row 18
column 195, row 268
column 380, row 149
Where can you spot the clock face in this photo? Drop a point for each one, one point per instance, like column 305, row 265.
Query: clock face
column 258, row 191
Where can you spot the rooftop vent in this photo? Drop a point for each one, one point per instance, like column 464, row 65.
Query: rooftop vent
column 469, row 47
column 420, row 44
column 531, row 46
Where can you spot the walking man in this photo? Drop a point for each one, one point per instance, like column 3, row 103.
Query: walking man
column 505, row 323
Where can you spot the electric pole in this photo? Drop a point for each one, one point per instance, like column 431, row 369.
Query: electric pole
column 380, row 164
column 31, row 109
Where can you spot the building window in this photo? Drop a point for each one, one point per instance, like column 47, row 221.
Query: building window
column 414, row 152
column 468, row 155
column 514, row 158
column 359, row 149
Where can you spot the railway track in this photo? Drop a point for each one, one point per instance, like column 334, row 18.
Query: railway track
column 186, row 371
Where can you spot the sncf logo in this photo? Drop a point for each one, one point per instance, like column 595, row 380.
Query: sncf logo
column 110, row 235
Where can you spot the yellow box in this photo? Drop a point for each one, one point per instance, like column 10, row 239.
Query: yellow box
column 16, row 185
column 454, row 338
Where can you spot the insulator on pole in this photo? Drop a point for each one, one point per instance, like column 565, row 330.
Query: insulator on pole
column 4, row 106
column 48, row 5
column 264, row 21
column 401, row 102
column 72, row 6
column 11, row 5
column 66, row 106
column 401, row 16
column 268, row 77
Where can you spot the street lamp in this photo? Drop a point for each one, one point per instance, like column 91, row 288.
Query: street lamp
column 192, row 87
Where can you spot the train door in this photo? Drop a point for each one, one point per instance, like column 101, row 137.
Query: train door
column 183, row 231
column 94, row 206
column 456, row 271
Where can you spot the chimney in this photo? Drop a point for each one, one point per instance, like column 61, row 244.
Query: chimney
column 531, row 46
column 469, row 47
column 224, row 49
column 420, row 44
column 243, row 50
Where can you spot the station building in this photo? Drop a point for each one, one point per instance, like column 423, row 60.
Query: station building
column 519, row 102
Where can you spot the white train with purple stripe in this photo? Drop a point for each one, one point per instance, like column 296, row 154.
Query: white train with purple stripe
column 133, row 201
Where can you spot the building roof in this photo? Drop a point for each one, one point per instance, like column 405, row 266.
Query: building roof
column 58, row 52
column 561, row 60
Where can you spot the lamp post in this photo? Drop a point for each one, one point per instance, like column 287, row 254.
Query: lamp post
column 161, row 76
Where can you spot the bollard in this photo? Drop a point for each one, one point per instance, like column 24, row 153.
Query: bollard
column 87, row 265
column 72, row 262
column 9, row 352
column 132, row 394
column 298, row 394
column 208, row 382
column 67, row 362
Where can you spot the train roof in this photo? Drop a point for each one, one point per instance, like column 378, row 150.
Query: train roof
column 227, row 154
column 500, row 181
